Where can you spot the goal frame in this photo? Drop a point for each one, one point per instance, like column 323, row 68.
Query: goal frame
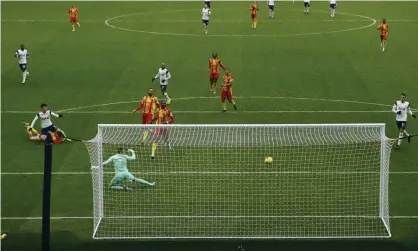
column 97, row 179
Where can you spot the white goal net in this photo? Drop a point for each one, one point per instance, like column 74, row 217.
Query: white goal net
column 325, row 181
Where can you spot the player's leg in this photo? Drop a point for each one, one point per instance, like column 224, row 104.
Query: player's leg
column 164, row 92
column 116, row 183
column 154, row 142
column 146, row 119
column 401, row 126
column 230, row 100
column 272, row 11
column 308, row 7
column 32, row 135
column 25, row 73
column 131, row 178
column 384, row 43
column 214, row 82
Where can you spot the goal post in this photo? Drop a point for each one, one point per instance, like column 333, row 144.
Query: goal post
column 325, row 181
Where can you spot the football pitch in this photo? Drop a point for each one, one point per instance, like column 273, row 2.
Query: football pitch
column 293, row 69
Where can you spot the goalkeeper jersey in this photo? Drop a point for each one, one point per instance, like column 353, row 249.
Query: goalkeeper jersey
column 119, row 162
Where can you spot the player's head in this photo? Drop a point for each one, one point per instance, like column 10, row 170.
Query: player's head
column 163, row 65
column 403, row 97
column 227, row 72
column 163, row 103
column 44, row 107
column 214, row 54
column 119, row 150
column 73, row 6
column 22, row 47
column 384, row 20
column 206, row 6
column 150, row 92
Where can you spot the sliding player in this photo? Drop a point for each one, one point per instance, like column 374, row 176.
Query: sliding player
column 332, row 6
column 164, row 76
column 149, row 103
column 205, row 18
column 384, row 29
column 271, row 8
column 213, row 70
column 73, row 13
column 122, row 173
column 57, row 137
column 402, row 108
column 46, row 124
column 254, row 9
column 307, row 6
column 163, row 116
column 23, row 55
column 226, row 92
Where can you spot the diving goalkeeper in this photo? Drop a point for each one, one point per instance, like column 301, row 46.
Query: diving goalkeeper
column 121, row 170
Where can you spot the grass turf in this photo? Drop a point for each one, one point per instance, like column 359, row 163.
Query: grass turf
column 98, row 64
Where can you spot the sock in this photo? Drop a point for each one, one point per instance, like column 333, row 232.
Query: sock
column 224, row 105
column 406, row 133
column 255, row 24
column 73, row 25
column 400, row 140
column 145, row 136
column 154, row 147
column 307, row 10
column 117, row 187
column 272, row 13
column 63, row 133
column 34, row 138
column 166, row 95
column 24, row 76
column 142, row 181
column 78, row 24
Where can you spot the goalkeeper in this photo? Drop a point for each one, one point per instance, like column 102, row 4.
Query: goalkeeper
column 121, row 170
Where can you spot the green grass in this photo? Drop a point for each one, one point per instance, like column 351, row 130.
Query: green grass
column 98, row 64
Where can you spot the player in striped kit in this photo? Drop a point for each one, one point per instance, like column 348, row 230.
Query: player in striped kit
column 332, row 6
column 402, row 109
column 23, row 55
column 163, row 116
column 306, row 6
column 149, row 103
column 271, row 8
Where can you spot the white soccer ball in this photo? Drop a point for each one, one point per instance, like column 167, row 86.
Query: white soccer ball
column 268, row 160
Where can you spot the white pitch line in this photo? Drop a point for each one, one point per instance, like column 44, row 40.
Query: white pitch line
column 198, row 112
column 210, row 173
column 191, row 216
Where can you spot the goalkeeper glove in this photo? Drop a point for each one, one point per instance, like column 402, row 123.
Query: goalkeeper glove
column 94, row 167
column 414, row 116
column 399, row 112
column 60, row 115
column 162, row 80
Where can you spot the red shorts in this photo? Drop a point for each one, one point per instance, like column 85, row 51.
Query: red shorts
column 226, row 95
column 146, row 118
column 160, row 132
column 253, row 16
column 73, row 19
column 383, row 37
column 214, row 76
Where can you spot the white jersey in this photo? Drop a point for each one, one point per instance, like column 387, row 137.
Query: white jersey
column 271, row 2
column 205, row 13
column 306, row 1
column 23, row 56
column 164, row 76
column 333, row 2
column 45, row 118
column 404, row 108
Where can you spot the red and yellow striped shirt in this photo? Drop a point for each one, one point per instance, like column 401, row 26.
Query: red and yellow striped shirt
column 254, row 9
column 384, row 28
column 227, row 84
column 73, row 12
column 163, row 116
column 149, row 104
column 214, row 64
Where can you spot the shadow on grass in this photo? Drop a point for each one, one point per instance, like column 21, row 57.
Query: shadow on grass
column 66, row 241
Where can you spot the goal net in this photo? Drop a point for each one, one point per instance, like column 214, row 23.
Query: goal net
column 325, row 181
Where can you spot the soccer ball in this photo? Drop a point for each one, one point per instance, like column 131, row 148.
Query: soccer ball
column 268, row 160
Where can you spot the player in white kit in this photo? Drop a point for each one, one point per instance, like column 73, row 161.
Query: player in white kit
column 306, row 6
column 164, row 75
column 332, row 6
column 271, row 8
column 402, row 109
column 46, row 124
column 23, row 55
column 205, row 18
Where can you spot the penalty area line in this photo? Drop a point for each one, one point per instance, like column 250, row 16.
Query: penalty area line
column 190, row 216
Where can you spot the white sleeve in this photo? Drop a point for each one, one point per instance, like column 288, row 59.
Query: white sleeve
column 394, row 108
column 168, row 75
column 158, row 74
column 108, row 161
column 54, row 114
column 33, row 121
column 409, row 110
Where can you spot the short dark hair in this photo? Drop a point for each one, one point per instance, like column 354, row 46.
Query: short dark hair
column 120, row 150
column 43, row 104
column 403, row 94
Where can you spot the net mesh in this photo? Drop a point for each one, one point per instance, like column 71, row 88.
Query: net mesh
column 326, row 181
